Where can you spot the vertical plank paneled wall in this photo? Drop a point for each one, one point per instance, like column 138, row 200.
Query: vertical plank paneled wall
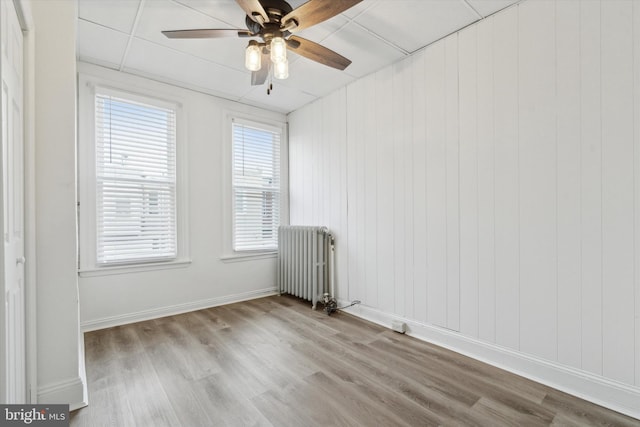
column 490, row 185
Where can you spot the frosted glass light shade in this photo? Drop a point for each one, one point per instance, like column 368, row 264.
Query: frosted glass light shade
column 281, row 69
column 253, row 58
column 278, row 50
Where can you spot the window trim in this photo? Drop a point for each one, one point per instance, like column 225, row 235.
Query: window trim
column 87, row 254
column 229, row 254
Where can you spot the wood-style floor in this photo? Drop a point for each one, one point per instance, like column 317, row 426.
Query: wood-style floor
column 275, row 362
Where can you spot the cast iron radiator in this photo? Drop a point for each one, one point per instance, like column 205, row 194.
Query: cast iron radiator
column 304, row 262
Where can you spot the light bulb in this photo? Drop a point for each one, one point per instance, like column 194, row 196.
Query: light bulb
column 281, row 70
column 252, row 57
column 278, row 50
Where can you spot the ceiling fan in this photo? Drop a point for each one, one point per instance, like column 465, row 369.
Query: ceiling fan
column 273, row 23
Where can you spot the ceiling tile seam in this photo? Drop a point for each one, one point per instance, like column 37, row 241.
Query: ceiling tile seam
column 247, row 100
column 278, row 109
column 466, row 26
column 190, row 54
column 340, row 28
column 205, row 91
column 446, row 35
column 429, row 44
column 473, row 9
column 514, row 4
column 247, row 92
column 178, row 83
column 365, row 10
column 353, row 77
column 179, row 3
column 106, row 27
column 281, row 83
column 182, row 52
column 97, row 61
column 174, row 82
column 133, row 36
column 382, row 39
column 321, row 39
column 121, row 68
column 348, row 21
column 353, row 21
column 134, row 28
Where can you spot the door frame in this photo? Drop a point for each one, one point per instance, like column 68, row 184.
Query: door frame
column 23, row 10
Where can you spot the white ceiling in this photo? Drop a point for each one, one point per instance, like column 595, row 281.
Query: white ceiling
column 125, row 35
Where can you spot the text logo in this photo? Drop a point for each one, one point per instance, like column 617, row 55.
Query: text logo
column 34, row 415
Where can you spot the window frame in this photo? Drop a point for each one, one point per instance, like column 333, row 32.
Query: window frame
column 88, row 264
column 267, row 123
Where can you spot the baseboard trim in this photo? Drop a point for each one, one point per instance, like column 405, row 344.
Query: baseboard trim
column 109, row 322
column 69, row 391
column 611, row 394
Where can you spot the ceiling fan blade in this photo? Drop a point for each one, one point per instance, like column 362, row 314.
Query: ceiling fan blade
column 254, row 10
column 206, row 34
column 315, row 11
column 260, row 76
column 318, row 53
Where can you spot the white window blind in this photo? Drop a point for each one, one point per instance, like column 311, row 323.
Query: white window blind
column 256, row 186
column 135, row 181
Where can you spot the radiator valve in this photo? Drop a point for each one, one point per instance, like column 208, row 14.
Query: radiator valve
column 330, row 304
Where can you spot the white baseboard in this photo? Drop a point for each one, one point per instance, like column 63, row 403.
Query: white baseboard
column 83, row 375
column 69, row 391
column 108, row 322
column 618, row 396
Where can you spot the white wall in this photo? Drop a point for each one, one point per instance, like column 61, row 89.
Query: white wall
column 490, row 185
column 59, row 367
column 208, row 280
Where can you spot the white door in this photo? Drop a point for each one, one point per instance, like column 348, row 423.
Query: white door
column 12, row 311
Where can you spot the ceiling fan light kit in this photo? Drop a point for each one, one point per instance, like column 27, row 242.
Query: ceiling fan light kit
column 253, row 56
column 278, row 50
column 275, row 22
column 281, row 70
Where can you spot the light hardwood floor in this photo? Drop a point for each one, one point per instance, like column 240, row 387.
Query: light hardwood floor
column 274, row 361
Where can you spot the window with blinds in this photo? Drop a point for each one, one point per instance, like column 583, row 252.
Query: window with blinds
column 135, row 181
column 256, row 186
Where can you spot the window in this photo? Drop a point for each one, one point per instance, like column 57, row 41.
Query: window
column 135, row 179
column 256, row 186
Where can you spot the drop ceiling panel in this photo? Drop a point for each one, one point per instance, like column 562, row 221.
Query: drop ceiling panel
column 150, row 59
column 321, row 31
column 372, row 34
column 116, row 14
column 487, row 7
column 326, row 79
column 101, row 45
column 223, row 10
column 361, row 7
column 162, row 15
column 367, row 52
column 282, row 99
column 412, row 24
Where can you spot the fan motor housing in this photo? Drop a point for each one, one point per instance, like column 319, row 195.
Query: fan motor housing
column 280, row 5
column 275, row 9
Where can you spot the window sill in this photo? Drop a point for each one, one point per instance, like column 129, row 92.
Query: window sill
column 137, row 268
column 248, row 257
